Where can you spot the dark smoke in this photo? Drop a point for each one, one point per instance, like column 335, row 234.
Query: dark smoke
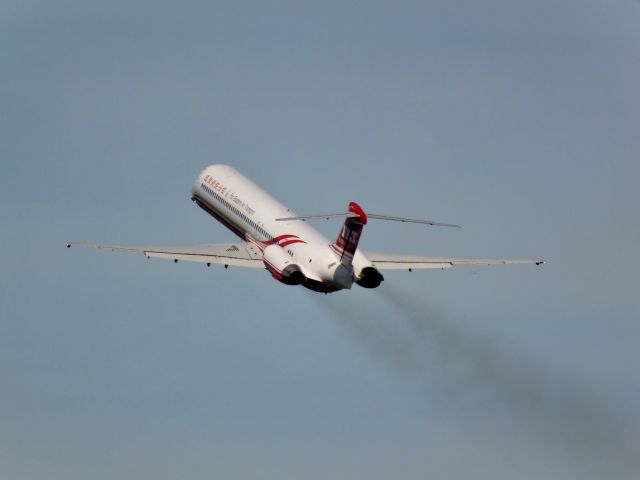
column 449, row 362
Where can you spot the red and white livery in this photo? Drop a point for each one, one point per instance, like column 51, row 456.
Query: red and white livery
column 276, row 239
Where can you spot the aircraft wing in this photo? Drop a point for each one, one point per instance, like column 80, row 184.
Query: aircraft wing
column 389, row 261
column 236, row 254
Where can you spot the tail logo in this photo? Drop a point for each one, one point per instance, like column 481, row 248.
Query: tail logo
column 347, row 242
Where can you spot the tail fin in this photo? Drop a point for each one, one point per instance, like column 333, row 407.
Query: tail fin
column 347, row 241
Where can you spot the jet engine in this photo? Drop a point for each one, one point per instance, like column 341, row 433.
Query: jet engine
column 281, row 266
column 370, row 278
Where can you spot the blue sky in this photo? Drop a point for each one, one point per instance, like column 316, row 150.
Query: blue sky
column 518, row 120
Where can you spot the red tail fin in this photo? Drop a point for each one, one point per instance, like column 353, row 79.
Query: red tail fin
column 347, row 241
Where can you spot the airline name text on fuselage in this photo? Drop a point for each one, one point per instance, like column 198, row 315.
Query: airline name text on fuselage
column 227, row 193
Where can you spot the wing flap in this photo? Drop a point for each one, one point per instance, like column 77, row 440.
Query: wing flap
column 390, row 261
column 236, row 254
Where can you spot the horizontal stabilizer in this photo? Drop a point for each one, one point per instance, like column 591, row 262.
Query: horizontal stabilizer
column 326, row 216
column 377, row 216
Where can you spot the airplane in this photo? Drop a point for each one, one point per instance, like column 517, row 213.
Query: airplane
column 292, row 251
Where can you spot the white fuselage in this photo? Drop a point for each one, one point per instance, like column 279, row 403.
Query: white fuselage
column 287, row 246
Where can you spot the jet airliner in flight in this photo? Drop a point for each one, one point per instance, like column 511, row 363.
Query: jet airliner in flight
column 275, row 238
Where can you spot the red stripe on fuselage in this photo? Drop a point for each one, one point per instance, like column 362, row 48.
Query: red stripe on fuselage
column 282, row 237
column 289, row 242
column 286, row 239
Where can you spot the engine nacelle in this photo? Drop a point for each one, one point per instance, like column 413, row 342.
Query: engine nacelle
column 370, row 278
column 281, row 265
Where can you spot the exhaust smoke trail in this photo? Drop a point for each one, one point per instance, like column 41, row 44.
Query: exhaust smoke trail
column 458, row 365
